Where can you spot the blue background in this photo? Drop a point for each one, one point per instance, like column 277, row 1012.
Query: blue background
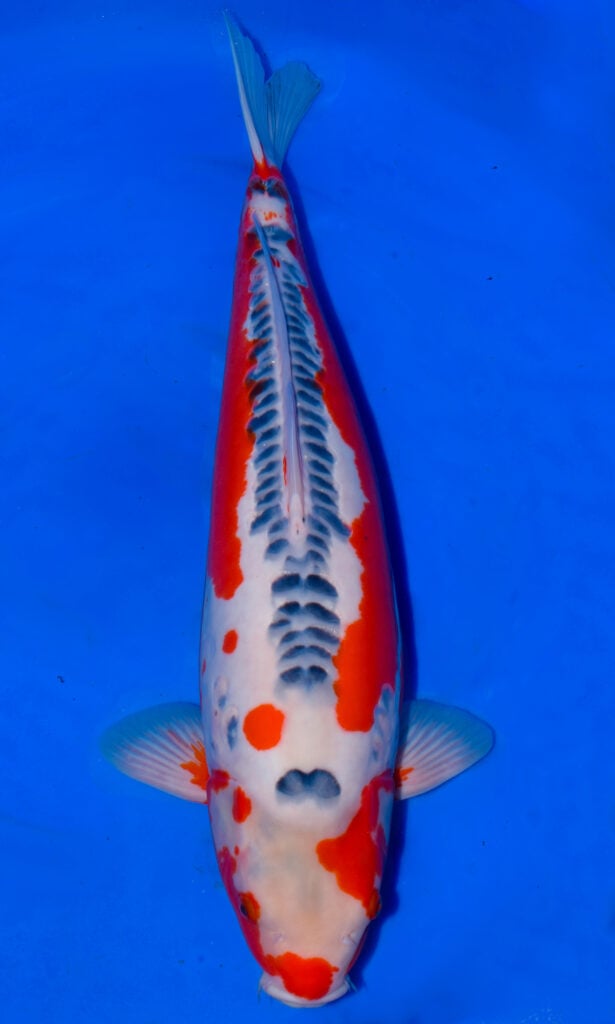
column 456, row 176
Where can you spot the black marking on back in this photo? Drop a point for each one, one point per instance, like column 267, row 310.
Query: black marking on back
column 305, row 625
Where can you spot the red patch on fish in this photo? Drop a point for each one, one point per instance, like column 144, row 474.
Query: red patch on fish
column 356, row 857
column 235, row 443
column 242, row 805
column 364, row 667
column 306, row 977
column 219, row 780
column 198, row 767
column 402, row 774
column 230, row 641
column 262, row 726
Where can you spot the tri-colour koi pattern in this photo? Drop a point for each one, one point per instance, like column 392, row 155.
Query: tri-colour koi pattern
column 297, row 747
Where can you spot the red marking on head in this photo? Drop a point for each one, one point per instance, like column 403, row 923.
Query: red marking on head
column 357, row 856
column 219, row 780
column 198, row 767
column 203, row 667
column 245, row 904
column 236, row 851
column 306, row 977
column 230, row 641
column 262, row 726
column 242, row 805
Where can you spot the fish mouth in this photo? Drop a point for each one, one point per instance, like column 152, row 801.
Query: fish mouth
column 273, row 987
column 298, row 785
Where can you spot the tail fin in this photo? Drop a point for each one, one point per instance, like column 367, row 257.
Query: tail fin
column 271, row 109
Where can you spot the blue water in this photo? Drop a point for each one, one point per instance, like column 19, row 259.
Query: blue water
column 456, row 177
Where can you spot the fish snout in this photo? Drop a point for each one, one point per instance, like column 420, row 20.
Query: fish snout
column 277, row 989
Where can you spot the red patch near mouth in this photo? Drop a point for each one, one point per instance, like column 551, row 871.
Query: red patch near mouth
column 306, row 977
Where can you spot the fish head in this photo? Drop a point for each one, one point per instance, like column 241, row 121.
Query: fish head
column 304, row 877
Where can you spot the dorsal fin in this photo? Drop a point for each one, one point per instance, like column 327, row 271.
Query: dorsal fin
column 271, row 108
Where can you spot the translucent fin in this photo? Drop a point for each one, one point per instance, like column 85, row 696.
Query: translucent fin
column 162, row 746
column 271, row 109
column 438, row 742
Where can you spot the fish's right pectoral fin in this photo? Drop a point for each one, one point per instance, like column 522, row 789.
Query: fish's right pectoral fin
column 162, row 746
column 437, row 742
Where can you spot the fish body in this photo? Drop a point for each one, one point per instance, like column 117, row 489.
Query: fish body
column 297, row 747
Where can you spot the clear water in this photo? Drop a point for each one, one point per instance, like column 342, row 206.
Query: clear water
column 455, row 178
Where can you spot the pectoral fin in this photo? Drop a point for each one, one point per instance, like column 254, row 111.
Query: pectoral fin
column 162, row 746
column 437, row 742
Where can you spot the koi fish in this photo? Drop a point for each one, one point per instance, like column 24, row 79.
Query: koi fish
column 300, row 743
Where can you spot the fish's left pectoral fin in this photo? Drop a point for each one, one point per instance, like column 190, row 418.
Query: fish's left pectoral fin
column 162, row 746
column 437, row 742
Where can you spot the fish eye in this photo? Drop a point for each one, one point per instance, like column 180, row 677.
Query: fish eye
column 248, row 907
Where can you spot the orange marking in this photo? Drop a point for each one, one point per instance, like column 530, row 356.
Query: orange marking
column 219, row 780
column 235, row 443
column 230, row 641
column 357, row 856
column 197, row 768
column 401, row 774
column 242, row 805
column 364, row 666
column 262, row 726
column 306, row 977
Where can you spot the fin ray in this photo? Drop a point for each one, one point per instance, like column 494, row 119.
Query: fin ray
column 163, row 747
column 273, row 108
column 438, row 742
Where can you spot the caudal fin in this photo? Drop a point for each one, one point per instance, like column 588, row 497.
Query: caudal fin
column 272, row 108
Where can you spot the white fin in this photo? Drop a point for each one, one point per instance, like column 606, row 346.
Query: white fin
column 437, row 742
column 271, row 109
column 162, row 746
